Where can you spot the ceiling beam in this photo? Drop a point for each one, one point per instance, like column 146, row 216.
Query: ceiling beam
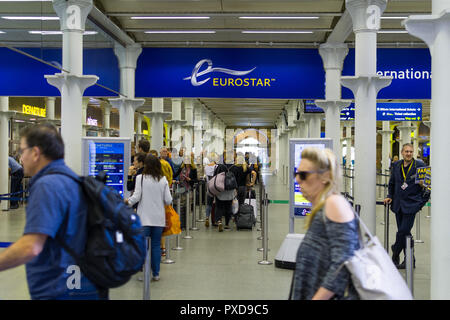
column 101, row 21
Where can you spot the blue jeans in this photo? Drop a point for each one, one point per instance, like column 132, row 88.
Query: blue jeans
column 154, row 233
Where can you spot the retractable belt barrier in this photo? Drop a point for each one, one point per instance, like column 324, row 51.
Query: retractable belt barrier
column 5, row 244
column 8, row 196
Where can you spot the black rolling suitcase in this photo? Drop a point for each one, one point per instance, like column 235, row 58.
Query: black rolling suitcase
column 245, row 219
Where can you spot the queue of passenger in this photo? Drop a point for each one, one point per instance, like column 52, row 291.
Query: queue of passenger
column 53, row 218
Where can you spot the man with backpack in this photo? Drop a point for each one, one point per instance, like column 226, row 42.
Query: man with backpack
column 51, row 271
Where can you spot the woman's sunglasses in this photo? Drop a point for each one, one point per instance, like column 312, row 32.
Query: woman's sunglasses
column 303, row 175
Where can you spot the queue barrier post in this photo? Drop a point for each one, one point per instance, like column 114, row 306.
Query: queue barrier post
column 200, row 194
column 261, row 216
column 429, row 210
column 265, row 260
column 147, row 267
column 386, row 227
column 188, row 215
column 177, row 246
column 418, row 240
column 194, row 214
column 409, row 254
column 167, row 260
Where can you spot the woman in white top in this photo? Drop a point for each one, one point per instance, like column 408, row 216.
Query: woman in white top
column 152, row 192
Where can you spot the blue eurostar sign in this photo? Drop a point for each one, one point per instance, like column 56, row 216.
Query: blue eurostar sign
column 217, row 73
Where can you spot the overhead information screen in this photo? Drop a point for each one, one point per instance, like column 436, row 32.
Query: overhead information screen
column 109, row 155
column 300, row 207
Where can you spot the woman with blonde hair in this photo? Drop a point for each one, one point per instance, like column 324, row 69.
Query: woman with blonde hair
column 332, row 231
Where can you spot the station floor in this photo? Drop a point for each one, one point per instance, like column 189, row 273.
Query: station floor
column 220, row 266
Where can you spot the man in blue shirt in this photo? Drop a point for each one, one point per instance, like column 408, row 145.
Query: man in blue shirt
column 16, row 172
column 56, row 210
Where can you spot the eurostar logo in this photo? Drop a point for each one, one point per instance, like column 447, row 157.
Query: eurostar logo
column 197, row 73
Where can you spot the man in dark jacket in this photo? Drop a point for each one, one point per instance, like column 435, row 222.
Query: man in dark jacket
column 406, row 198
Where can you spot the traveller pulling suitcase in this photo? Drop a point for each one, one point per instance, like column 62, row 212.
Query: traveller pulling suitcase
column 245, row 218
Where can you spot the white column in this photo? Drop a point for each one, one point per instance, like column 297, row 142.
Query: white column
column 188, row 127
column 50, row 108
column 415, row 140
column 127, row 104
column 198, row 130
column 126, row 108
column 385, row 146
column 216, row 136
column 176, row 123
column 84, row 106
column 365, row 86
column 207, row 131
column 434, row 29
column 158, row 116
column 127, row 57
column 106, row 118
column 292, row 116
column 348, row 137
column 314, row 124
column 405, row 132
column 71, row 84
column 4, row 149
column 333, row 55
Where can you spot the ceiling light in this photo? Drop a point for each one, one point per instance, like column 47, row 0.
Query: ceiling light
column 281, row 18
column 49, row 33
column 2, row 32
column 393, row 18
column 181, row 31
column 166, row 18
column 277, row 32
column 29, row 18
column 392, row 31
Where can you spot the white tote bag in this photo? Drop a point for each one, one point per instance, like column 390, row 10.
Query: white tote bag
column 373, row 273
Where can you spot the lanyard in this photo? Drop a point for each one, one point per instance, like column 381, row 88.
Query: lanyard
column 403, row 171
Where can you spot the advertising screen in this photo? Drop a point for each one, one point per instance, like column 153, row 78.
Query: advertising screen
column 110, row 155
column 300, row 206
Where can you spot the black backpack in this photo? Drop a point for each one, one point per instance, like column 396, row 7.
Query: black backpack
column 230, row 179
column 115, row 246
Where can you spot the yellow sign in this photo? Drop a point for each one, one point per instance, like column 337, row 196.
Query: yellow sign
column 34, row 111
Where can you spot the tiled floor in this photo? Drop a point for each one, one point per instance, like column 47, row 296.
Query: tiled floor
column 215, row 266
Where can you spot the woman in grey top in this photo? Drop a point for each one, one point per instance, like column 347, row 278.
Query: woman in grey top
column 332, row 235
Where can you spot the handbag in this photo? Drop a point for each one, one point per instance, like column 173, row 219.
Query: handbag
column 173, row 225
column 216, row 184
column 373, row 273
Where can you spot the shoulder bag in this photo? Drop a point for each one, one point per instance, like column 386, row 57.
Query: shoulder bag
column 373, row 273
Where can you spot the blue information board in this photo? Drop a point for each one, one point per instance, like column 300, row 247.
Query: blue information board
column 311, row 107
column 348, row 113
column 405, row 111
column 110, row 155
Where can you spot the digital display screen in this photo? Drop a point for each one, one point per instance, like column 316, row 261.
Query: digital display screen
column 302, row 206
column 109, row 157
